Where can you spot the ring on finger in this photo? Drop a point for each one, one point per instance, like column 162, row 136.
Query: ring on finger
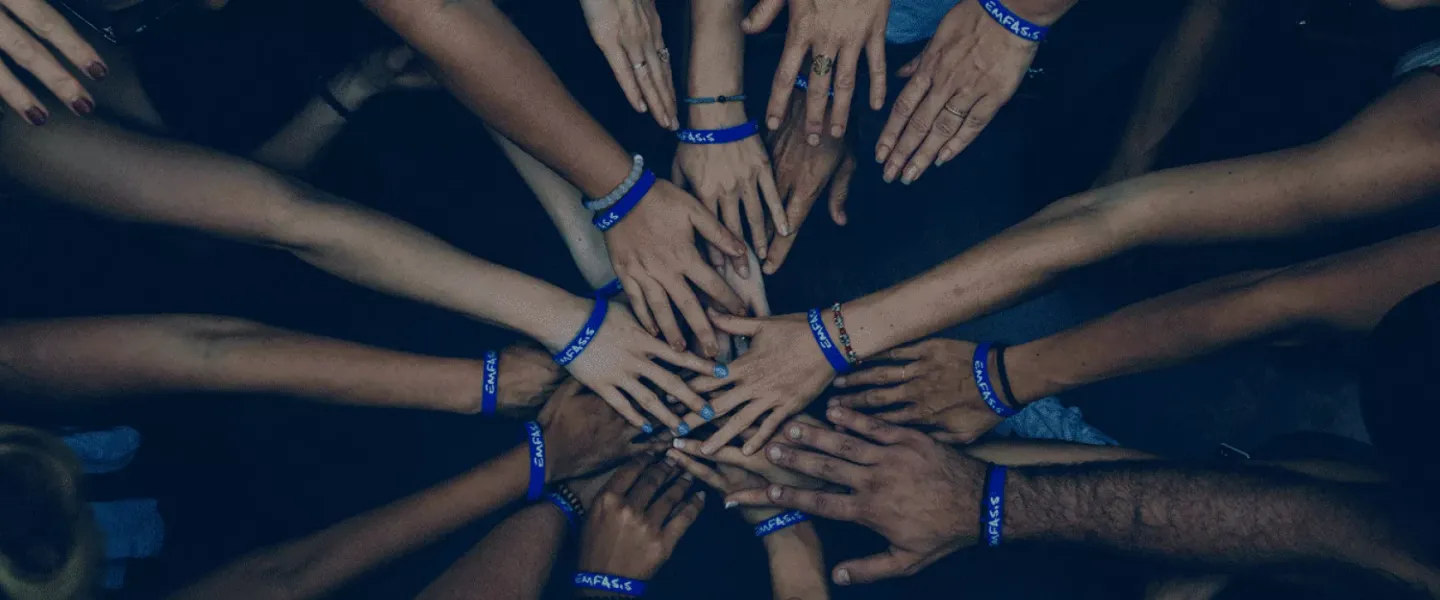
column 821, row 64
column 639, row 65
column 664, row 54
column 959, row 113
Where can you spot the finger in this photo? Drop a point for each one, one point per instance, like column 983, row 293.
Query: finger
column 911, row 352
column 738, row 423
column 905, row 105
column 34, row 57
column 648, row 401
column 845, row 66
column 922, row 121
column 728, row 455
column 639, row 306
column 767, row 429
column 875, row 58
column 622, row 406
column 55, row 29
column 664, row 87
column 840, row 191
column 762, row 16
column 775, row 201
column 909, row 68
column 828, row 505
column 714, row 232
column 730, row 217
column 819, row 466
column 890, row 563
column 817, row 96
column 664, row 313
column 714, row 286
column 800, row 204
column 881, row 375
column 947, row 125
column 975, row 122
column 791, row 60
column 685, row 360
column 870, row 427
column 674, row 386
column 700, row 470
column 21, row 100
column 833, row 443
column 693, row 313
column 639, row 65
column 650, row 482
column 625, row 475
column 876, row 398
column 909, row 414
column 625, row 75
column 755, row 217
column 683, row 518
column 670, row 498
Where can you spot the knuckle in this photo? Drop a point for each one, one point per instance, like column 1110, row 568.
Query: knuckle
column 947, row 127
column 919, row 122
column 904, row 105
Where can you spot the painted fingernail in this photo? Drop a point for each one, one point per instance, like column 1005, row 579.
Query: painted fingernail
column 83, row 106
column 731, row 504
column 776, row 453
column 772, row 123
column 722, row 371
column 97, row 70
column 683, row 429
column 842, row 576
column 795, row 432
column 813, row 140
column 36, row 116
column 776, row 492
column 707, row 412
column 840, row 380
column 648, row 428
column 678, row 443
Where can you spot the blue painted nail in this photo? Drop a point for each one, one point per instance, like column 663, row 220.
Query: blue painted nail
column 683, row 429
column 722, row 371
column 647, row 428
column 707, row 412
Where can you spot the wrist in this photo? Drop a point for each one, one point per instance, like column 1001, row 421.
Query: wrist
column 798, row 537
column 558, row 326
column 1033, row 373
column 716, row 116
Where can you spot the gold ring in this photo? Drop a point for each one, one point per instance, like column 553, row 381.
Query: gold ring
column 821, row 64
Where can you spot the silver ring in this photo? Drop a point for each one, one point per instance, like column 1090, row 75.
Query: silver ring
column 639, row 65
column 957, row 113
column 664, row 54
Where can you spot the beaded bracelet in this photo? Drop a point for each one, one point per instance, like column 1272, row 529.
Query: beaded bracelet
column 637, row 167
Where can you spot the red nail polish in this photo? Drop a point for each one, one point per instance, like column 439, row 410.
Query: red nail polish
column 97, row 70
column 36, row 116
column 83, row 107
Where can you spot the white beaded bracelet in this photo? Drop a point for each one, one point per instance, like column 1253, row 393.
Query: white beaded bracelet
column 637, row 166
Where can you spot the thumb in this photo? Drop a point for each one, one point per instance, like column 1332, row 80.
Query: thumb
column 890, row 563
column 734, row 325
column 762, row 15
column 909, row 69
column 840, row 191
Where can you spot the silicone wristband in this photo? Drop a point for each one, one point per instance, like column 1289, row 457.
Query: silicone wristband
column 718, row 136
column 1014, row 23
column 981, row 365
column 490, row 391
column 537, row 460
column 609, row 217
column 827, row 347
column 571, row 515
column 609, row 583
column 582, row 339
column 610, row 290
column 992, row 511
column 780, row 521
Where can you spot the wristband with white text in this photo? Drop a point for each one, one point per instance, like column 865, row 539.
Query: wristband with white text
column 610, row 583
column 489, row 392
column 992, row 507
column 981, row 366
column 536, row 438
column 582, row 340
column 607, row 218
column 827, row 347
column 572, row 514
column 780, row 521
column 718, row 136
column 610, row 290
column 1014, row 23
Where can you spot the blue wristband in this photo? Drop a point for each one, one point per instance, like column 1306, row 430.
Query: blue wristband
column 537, row 461
column 804, row 84
column 1013, row 22
column 780, row 521
column 981, row 365
column 607, row 218
column 571, row 515
column 609, row 583
column 489, row 391
column 572, row 351
column 827, row 347
column 992, row 512
column 610, row 290
column 718, row 136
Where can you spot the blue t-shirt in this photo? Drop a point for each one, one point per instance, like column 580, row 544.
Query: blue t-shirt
column 915, row 20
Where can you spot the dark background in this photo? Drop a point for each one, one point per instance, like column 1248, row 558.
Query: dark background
column 237, row 472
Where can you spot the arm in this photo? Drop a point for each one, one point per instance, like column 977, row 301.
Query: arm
column 797, row 565
column 319, row 564
column 512, row 562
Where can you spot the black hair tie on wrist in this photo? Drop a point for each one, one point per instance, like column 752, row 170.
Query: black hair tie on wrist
column 1005, row 377
column 335, row 104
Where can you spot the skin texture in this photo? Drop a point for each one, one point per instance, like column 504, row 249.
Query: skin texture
column 628, row 34
column 21, row 22
column 802, row 172
column 637, row 520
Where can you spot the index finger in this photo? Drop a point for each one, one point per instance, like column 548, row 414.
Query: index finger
column 849, row 61
column 700, row 470
column 829, row 505
column 789, row 68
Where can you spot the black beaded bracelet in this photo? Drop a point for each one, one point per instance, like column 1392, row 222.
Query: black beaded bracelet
column 565, row 492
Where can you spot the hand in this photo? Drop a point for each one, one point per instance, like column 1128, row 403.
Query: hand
column 936, row 386
column 752, row 291
column 735, row 471
column 527, row 377
column 920, row 494
column 628, row 33
column 802, row 171
column 967, row 71
column 783, row 371
column 581, row 437
column 637, row 520
column 378, row 72
column 34, row 56
column 653, row 251
column 833, row 33
column 621, row 354
column 723, row 176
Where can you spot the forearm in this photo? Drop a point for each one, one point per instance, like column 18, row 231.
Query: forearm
column 717, row 59
column 76, row 358
column 1346, row 292
column 296, row 145
column 323, row 562
column 797, row 563
column 485, row 61
column 1225, row 517
column 513, row 562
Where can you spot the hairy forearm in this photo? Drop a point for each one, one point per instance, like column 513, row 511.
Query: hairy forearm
column 717, row 58
column 76, row 358
column 489, row 65
column 513, row 562
column 1225, row 517
column 797, row 564
column 323, row 562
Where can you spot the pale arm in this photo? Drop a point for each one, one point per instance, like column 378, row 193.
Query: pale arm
column 513, row 562
column 717, row 62
column 797, row 564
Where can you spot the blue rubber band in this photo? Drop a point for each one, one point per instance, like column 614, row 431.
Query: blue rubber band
column 718, row 136
column 610, row 290
column 610, row 583
column 537, row 461
column 780, row 521
column 827, row 347
column 992, row 512
column 606, row 219
column 582, row 340
column 804, row 84
column 1014, row 23
column 981, row 365
column 491, row 389
column 571, row 515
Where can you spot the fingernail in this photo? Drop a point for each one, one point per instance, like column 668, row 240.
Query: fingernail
column 746, row 24
column 832, row 403
column 683, row 429
column 687, row 476
column 707, row 412
column 795, row 432
column 748, row 450
column 785, row 230
column 776, row 492
column 839, row 381
column 772, row 123
column 700, row 495
column 731, row 504
column 833, row 412
column 710, row 350
column 910, row 174
column 679, row 444
column 882, row 153
column 837, row 131
column 744, row 270
column 890, row 174
column 842, row 576
column 97, row 70
column 707, row 450
column 648, row 428
column 813, row 140
column 36, row 116
column 760, row 253
column 776, row 453
column 722, row 371
column 671, row 462
column 939, row 162
column 678, row 345
column 83, row 106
